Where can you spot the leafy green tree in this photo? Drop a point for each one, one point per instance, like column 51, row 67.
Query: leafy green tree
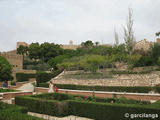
column 22, row 50
column 50, row 50
column 97, row 43
column 57, row 60
column 155, row 52
column 119, row 49
column 5, row 70
column 70, row 52
column 34, row 51
column 157, row 34
column 87, row 44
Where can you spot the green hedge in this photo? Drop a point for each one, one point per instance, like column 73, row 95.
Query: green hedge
column 137, row 89
column 62, row 97
column 14, row 112
column 42, row 106
column 130, row 72
column 42, row 77
column 108, row 111
column 21, row 77
column 7, row 90
column 89, row 109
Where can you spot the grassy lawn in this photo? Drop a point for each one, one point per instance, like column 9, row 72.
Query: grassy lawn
column 88, row 75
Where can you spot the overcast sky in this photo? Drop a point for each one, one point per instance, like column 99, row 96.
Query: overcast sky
column 59, row 21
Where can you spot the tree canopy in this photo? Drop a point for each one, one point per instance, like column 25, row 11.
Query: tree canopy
column 5, row 70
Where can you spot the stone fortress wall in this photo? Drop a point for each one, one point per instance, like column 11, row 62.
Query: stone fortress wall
column 145, row 45
column 14, row 59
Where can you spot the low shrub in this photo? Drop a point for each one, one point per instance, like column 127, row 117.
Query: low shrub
column 24, row 76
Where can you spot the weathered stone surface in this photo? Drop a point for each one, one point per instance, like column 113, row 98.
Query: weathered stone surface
column 150, row 79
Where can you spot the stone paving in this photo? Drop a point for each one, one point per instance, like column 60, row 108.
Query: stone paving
column 47, row 117
column 28, row 87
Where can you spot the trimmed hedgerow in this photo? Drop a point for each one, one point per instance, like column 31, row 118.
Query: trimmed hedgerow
column 108, row 111
column 42, row 106
column 85, row 108
column 4, row 106
column 42, row 77
column 14, row 112
column 24, row 76
column 7, row 90
column 130, row 72
column 62, row 97
column 136, row 89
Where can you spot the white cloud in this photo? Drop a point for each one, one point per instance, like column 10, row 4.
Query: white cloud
column 62, row 20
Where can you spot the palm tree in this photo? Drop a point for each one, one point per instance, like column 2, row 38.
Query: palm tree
column 97, row 43
column 157, row 34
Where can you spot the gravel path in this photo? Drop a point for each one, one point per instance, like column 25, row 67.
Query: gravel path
column 28, row 87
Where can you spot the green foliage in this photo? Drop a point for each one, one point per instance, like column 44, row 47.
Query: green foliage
column 50, row 50
column 129, row 72
column 85, row 75
column 5, row 70
column 57, row 60
column 157, row 34
column 88, row 63
column 62, row 97
column 155, row 52
column 92, row 62
column 14, row 112
column 6, row 90
column 108, row 111
column 34, row 51
column 42, row 77
column 22, row 50
column 42, row 66
column 13, row 83
column 101, row 109
column 24, row 76
column 145, row 61
column 35, row 65
column 42, row 106
column 87, row 44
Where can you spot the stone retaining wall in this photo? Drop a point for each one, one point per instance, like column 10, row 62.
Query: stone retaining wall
column 150, row 79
